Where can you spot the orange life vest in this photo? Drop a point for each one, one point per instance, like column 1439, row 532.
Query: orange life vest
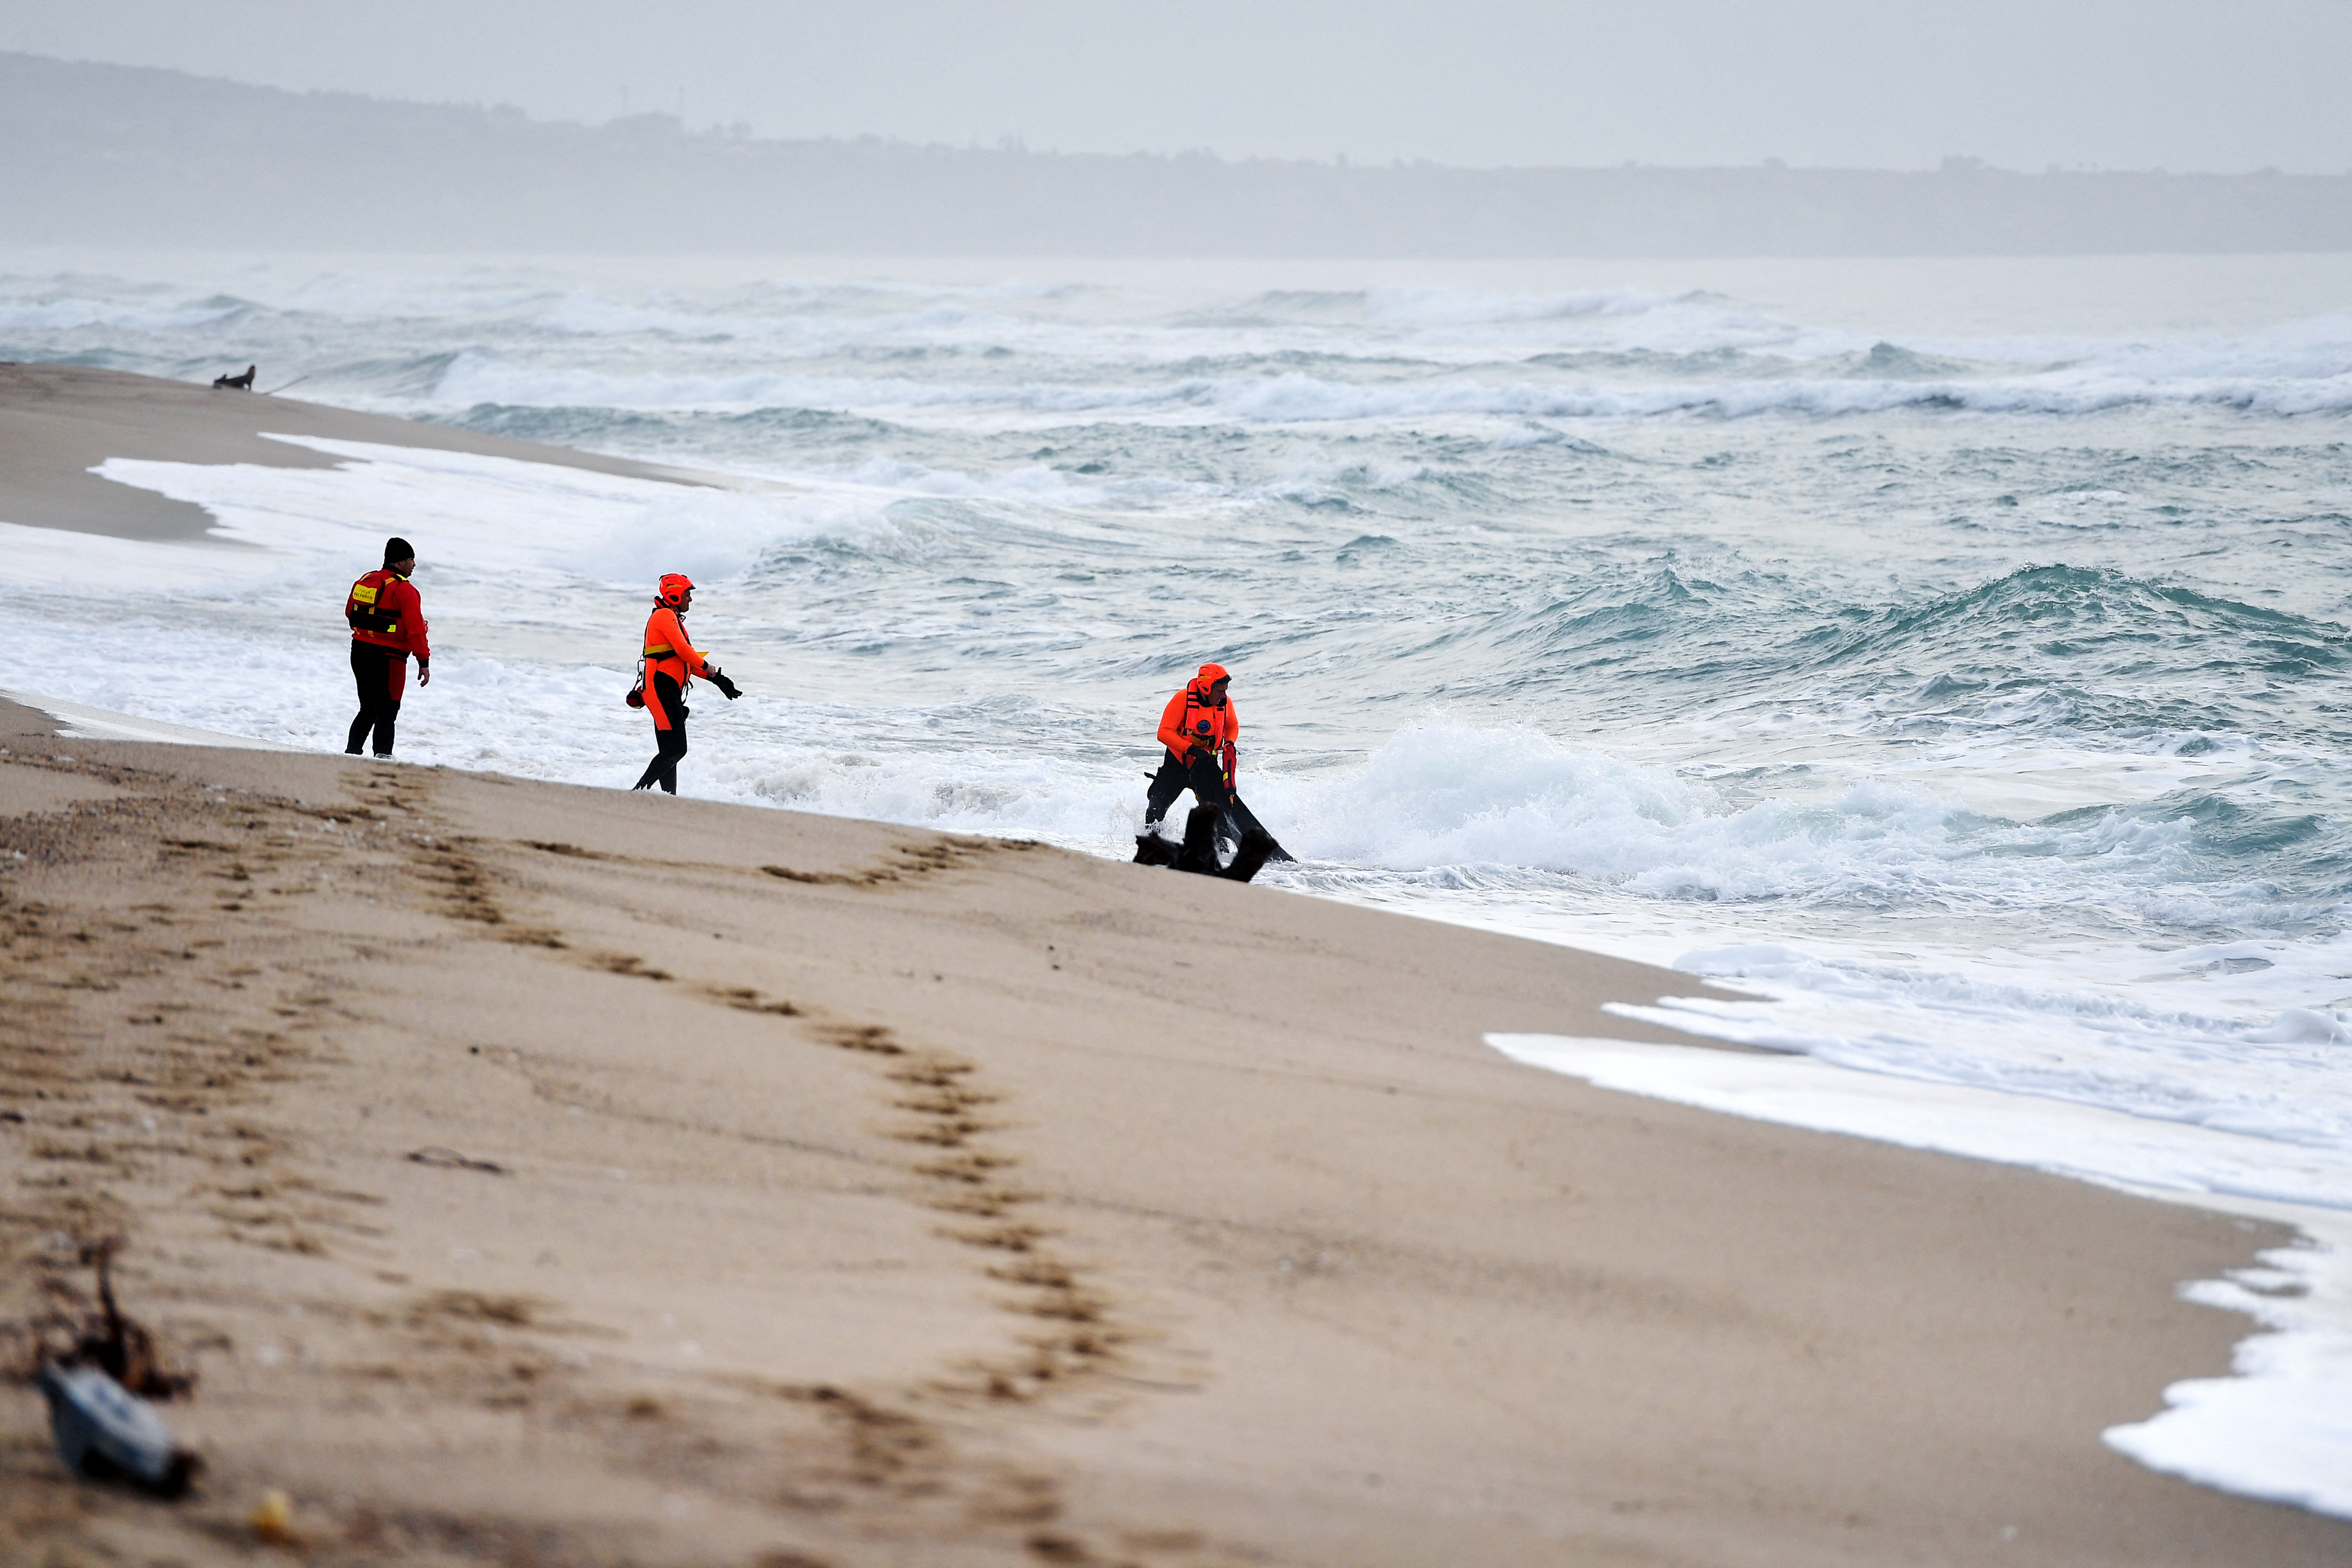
column 1193, row 719
column 1209, row 726
column 666, row 651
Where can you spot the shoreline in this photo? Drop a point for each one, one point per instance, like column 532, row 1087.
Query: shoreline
column 60, row 422
column 866, row 1193
column 2266, row 1431
column 954, row 1200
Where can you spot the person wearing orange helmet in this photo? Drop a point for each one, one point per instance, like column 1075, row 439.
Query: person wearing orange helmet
column 387, row 625
column 1199, row 726
column 670, row 665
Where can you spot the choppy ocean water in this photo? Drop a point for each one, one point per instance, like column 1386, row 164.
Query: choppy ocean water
column 1950, row 654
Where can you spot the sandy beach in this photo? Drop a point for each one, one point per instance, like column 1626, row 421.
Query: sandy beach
column 58, row 421
column 536, row 1173
column 867, row 1196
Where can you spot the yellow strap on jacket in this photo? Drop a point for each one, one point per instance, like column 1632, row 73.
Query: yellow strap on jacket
column 666, row 641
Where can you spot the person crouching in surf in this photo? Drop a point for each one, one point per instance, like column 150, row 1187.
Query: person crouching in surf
column 670, row 665
column 1199, row 726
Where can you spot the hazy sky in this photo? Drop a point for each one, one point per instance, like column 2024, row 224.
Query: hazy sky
column 2222, row 85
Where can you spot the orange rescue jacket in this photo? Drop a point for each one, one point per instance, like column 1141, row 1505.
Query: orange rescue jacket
column 668, row 651
column 1191, row 719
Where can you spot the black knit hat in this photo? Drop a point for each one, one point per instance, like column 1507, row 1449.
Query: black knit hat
column 398, row 548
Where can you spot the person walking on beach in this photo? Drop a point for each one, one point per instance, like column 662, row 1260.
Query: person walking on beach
column 671, row 663
column 387, row 625
column 1199, row 726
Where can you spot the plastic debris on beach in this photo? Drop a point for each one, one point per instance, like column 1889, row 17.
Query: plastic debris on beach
column 104, row 1431
column 99, row 1383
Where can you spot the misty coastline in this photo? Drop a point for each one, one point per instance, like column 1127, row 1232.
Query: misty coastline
column 103, row 154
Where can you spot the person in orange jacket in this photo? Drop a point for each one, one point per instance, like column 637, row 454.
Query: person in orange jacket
column 387, row 625
column 1199, row 726
column 671, row 663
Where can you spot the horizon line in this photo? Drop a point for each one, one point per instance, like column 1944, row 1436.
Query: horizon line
column 740, row 131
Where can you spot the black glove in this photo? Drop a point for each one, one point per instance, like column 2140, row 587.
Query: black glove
column 727, row 688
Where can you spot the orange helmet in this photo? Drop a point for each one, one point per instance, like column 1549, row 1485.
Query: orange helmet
column 675, row 587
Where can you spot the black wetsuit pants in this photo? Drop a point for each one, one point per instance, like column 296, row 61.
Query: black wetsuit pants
column 372, row 666
column 1202, row 776
column 671, row 742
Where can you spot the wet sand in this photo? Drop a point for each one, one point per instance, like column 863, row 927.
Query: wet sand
column 545, row 1175
column 58, row 421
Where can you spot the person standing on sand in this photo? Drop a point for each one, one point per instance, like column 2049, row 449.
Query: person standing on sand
column 387, row 625
column 671, row 663
column 1199, row 726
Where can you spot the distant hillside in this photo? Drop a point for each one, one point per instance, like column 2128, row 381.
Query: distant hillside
column 111, row 154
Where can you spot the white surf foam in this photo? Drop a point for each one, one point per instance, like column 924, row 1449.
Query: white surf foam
column 584, row 314
column 1442, row 793
column 71, row 313
column 475, row 377
column 710, row 347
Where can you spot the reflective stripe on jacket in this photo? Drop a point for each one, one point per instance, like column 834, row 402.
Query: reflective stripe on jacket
column 384, row 609
column 668, row 649
column 1191, row 719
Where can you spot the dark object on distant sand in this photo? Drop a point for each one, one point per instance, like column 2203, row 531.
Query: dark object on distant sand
column 1200, row 852
column 451, row 1160
column 104, row 1431
column 237, row 383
